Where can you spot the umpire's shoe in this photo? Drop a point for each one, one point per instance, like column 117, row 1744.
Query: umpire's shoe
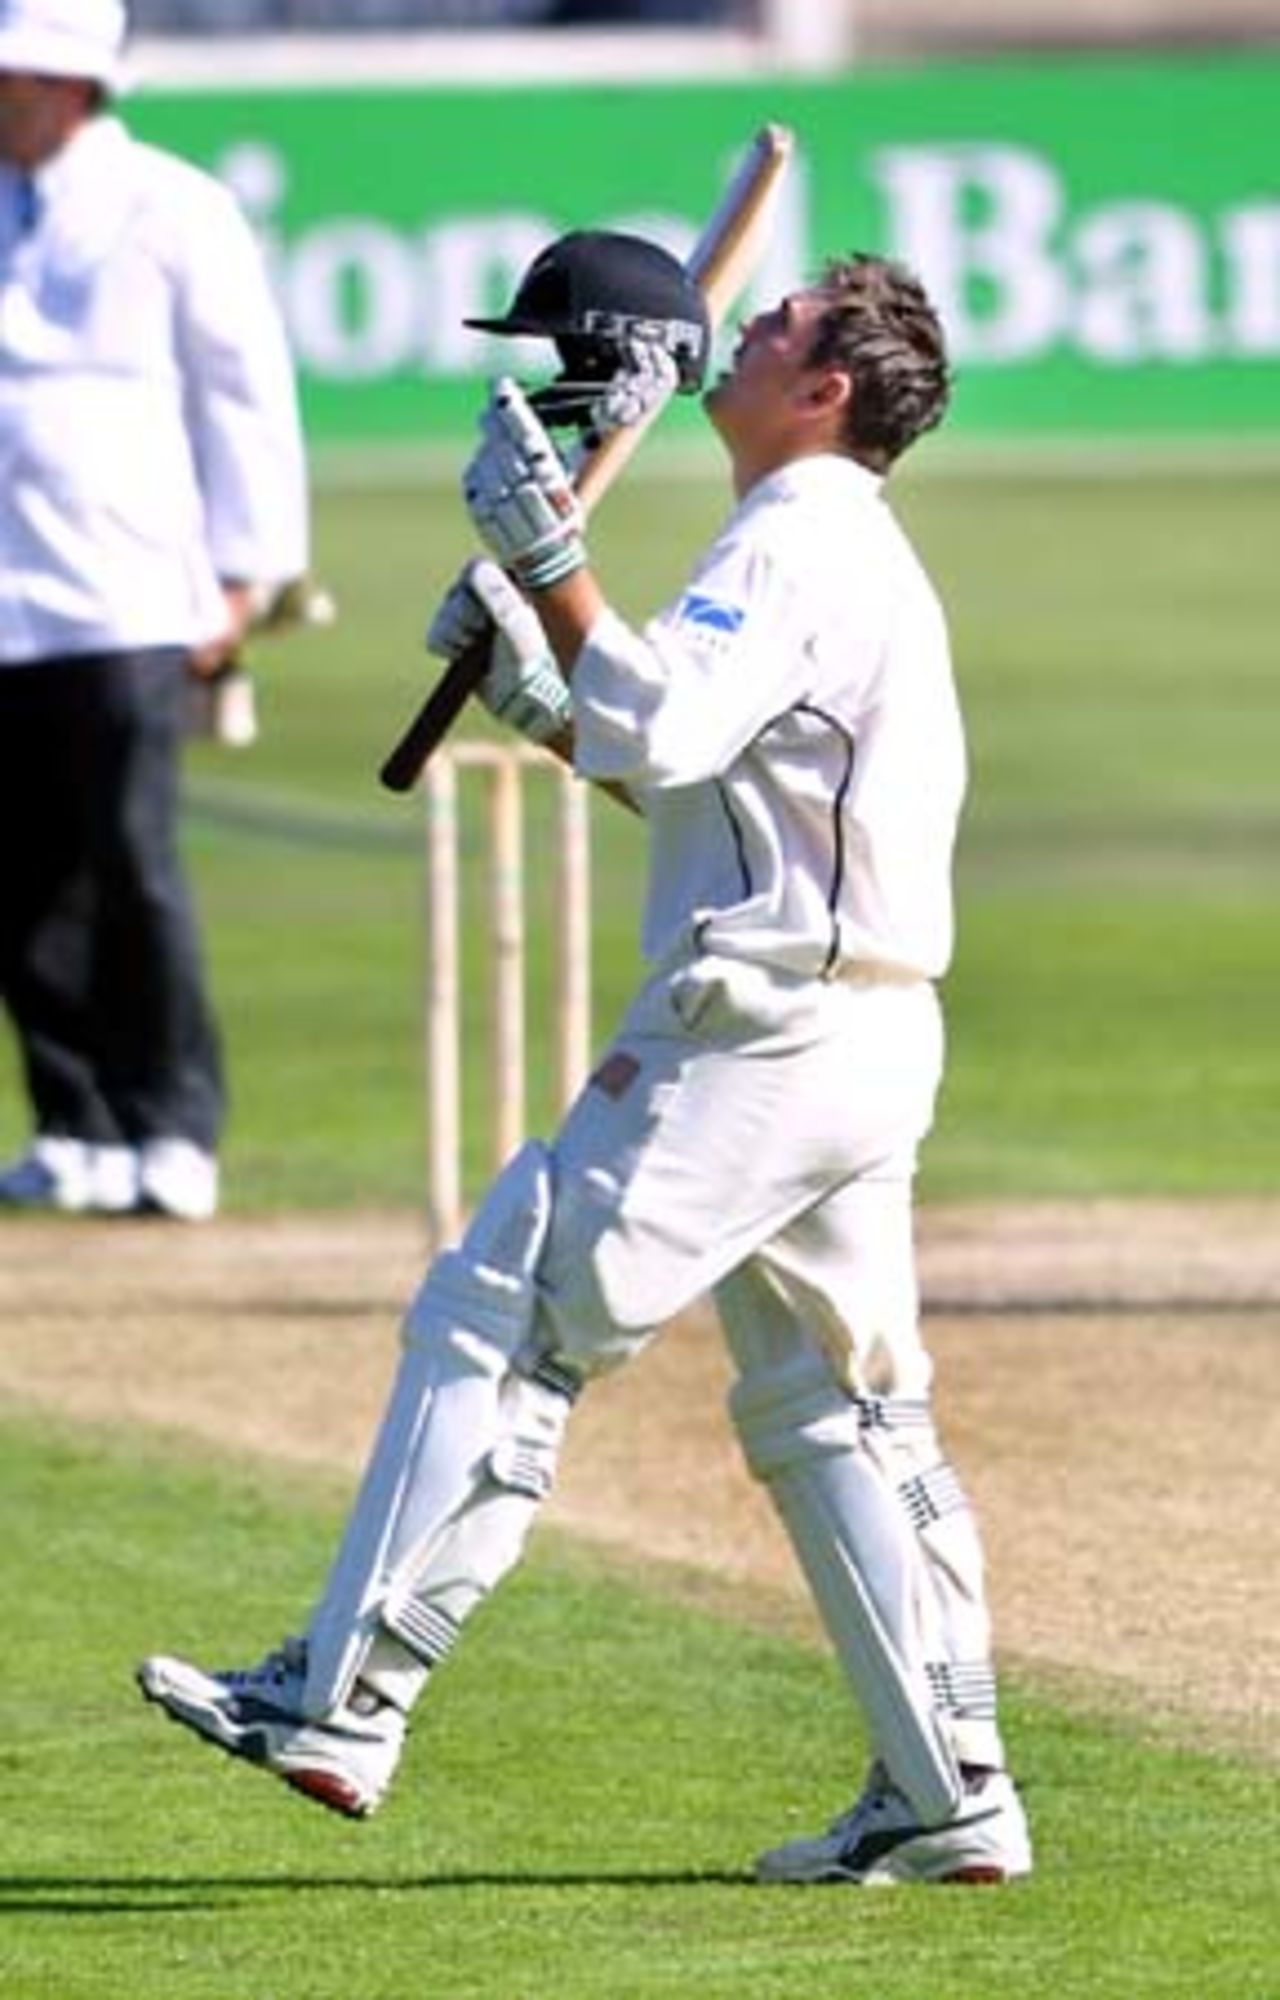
column 72, row 1176
column 345, row 1762
column 178, row 1179
column 881, row 1839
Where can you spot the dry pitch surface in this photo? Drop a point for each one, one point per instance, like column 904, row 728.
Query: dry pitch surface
column 1109, row 1385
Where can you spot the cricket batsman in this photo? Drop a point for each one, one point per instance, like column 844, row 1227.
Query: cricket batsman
column 788, row 730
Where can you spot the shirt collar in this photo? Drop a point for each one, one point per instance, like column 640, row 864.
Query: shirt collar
column 86, row 194
column 825, row 472
column 88, row 160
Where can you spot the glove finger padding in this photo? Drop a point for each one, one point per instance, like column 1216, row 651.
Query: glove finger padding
column 460, row 618
column 644, row 382
column 522, row 686
column 504, row 607
column 519, row 494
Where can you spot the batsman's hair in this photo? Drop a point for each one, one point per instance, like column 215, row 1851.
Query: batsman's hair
column 878, row 324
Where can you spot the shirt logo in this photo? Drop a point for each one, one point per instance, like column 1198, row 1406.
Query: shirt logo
column 616, row 1074
column 710, row 612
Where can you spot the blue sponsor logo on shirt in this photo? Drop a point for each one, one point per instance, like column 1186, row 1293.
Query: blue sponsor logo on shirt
column 711, row 612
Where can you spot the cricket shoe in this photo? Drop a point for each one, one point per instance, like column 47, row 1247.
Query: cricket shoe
column 73, row 1176
column 345, row 1762
column 882, row 1839
column 178, row 1179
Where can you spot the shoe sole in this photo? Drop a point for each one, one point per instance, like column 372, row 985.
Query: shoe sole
column 970, row 1875
column 47, row 1205
column 974, row 1875
column 324, row 1788
column 162, row 1211
column 977, row 1877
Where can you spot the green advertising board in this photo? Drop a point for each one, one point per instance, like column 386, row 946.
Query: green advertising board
column 1102, row 235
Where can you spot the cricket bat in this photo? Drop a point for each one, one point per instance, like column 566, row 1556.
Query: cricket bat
column 721, row 262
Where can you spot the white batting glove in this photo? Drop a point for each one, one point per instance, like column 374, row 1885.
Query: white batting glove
column 519, row 494
column 646, row 380
column 523, row 686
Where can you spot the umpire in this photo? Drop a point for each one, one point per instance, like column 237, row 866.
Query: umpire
column 153, row 484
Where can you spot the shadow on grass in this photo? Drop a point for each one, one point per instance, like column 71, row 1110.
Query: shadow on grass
column 109, row 1895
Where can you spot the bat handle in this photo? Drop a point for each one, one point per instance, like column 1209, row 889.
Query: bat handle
column 436, row 717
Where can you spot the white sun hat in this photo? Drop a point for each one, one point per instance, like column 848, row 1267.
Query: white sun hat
column 80, row 38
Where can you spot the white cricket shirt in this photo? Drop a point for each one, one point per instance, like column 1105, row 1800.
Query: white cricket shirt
column 149, row 435
column 791, row 730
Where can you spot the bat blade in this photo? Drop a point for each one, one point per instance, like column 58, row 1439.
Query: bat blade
column 721, row 262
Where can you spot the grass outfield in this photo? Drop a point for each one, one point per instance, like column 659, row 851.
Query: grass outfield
column 1112, row 1001
column 575, row 1816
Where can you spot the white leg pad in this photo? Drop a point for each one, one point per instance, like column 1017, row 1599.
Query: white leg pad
column 438, row 1584
column 957, row 1623
column 444, row 1418
column 806, row 1439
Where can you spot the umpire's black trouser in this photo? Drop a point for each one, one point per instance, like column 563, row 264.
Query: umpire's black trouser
column 99, row 953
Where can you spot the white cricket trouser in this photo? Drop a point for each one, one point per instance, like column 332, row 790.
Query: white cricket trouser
column 755, row 1137
column 746, row 1116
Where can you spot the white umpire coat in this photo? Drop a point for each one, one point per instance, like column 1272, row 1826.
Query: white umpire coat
column 790, row 727
column 149, row 434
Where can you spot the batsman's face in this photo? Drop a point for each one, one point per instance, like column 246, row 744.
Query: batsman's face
column 764, row 403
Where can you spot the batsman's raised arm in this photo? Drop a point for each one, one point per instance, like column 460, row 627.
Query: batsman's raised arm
column 631, row 329
column 668, row 705
column 520, row 497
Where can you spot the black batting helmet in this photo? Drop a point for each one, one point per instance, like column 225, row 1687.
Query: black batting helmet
column 594, row 291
